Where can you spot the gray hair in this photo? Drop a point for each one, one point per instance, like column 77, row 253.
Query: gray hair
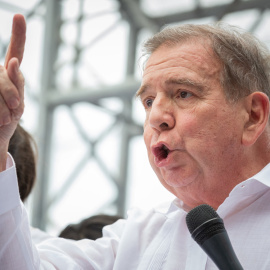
column 245, row 60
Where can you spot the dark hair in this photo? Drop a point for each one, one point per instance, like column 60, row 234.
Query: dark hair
column 245, row 60
column 90, row 228
column 22, row 148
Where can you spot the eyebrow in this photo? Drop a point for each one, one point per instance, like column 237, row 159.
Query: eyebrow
column 141, row 90
column 180, row 81
column 187, row 82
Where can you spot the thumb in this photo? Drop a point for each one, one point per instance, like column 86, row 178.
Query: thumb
column 12, row 70
column 17, row 79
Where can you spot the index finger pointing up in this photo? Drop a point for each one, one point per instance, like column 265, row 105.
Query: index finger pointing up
column 17, row 41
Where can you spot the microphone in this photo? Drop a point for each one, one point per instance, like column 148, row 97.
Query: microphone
column 207, row 229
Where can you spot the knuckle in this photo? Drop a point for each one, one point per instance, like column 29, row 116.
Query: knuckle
column 21, row 78
column 20, row 110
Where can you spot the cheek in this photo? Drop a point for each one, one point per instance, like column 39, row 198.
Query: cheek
column 189, row 125
column 147, row 137
column 210, row 135
column 202, row 130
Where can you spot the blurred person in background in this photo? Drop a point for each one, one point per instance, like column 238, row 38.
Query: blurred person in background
column 90, row 228
column 23, row 149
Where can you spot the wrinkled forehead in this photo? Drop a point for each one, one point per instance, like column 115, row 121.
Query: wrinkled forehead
column 193, row 62
column 189, row 41
column 197, row 55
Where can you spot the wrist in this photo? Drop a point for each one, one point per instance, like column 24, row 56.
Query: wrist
column 3, row 160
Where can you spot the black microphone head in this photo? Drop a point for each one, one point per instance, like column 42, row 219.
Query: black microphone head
column 203, row 222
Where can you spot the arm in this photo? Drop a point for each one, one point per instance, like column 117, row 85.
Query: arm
column 17, row 251
column 11, row 87
column 15, row 241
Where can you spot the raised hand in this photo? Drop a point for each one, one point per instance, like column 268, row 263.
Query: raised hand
column 11, row 86
column 17, row 41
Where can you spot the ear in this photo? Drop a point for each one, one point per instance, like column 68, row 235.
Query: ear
column 257, row 107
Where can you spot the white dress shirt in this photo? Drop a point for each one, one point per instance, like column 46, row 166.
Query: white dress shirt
column 146, row 240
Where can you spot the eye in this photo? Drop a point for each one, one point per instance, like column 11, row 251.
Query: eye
column 148, row 102
column 185, row 94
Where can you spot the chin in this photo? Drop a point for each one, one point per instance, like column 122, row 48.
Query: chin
column 179, row 179
column 175, row 181
column 179, row 183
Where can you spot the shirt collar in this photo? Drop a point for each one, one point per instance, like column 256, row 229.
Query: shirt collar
column 254, row 184
column 263, row 176
column 249, row 187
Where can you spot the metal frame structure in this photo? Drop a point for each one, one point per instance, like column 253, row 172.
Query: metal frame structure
column 51, row 97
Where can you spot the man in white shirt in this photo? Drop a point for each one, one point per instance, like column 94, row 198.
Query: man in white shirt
column 205, row 90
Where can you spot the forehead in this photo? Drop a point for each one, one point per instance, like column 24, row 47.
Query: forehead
column 193, row 60
column 195, row 53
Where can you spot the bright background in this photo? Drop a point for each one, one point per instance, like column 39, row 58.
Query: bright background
column 102, row 65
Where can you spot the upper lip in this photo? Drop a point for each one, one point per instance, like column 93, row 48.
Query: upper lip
column 161, row 150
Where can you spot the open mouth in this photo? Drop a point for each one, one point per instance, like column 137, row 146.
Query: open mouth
column 161, row 152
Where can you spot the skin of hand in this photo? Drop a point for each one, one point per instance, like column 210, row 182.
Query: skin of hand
column 11, row 87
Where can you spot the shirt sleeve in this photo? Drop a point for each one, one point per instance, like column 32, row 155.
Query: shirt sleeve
column 18, row 251
column 60, row 253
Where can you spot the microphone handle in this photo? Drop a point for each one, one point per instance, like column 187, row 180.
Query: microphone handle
column 219, row 249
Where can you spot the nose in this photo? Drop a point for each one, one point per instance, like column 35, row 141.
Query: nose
column 161, row 116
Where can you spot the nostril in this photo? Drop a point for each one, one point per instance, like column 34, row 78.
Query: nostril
column 164, row 125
